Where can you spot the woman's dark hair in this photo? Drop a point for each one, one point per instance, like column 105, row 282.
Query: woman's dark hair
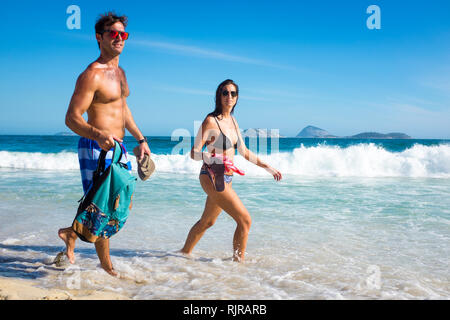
column 108, row 19
column 218, row 110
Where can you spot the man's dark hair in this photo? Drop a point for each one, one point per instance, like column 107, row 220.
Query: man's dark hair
column 108, row 19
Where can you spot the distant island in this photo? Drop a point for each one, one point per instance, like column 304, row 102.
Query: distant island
column 314, row 132
column 376, row 135
column 66, row 133
column 264, row 133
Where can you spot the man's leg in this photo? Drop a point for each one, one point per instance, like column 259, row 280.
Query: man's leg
column 102, row 247
column 69, row 237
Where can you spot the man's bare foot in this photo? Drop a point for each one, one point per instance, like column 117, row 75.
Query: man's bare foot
column 110, row 270
column 68, row 236
column 238, row 256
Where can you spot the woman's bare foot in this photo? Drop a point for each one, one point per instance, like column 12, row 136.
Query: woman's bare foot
column 68, row 236
column 184, row 253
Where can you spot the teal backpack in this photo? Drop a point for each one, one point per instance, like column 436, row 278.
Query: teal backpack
column 105, row 207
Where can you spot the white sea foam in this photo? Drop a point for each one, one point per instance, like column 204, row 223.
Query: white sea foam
column 362, row 160
column 325, row 238
column 39, row 161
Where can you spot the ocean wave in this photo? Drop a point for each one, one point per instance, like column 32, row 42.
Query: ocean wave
column 362, row 160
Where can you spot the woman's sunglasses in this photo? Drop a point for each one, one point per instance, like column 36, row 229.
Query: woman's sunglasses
column 225, row 93
column 114, row 34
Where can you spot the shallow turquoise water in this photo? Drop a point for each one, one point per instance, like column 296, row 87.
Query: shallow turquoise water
column 346, row 222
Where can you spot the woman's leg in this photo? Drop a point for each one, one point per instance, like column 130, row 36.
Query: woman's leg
column 229, row 201
column 209, row 217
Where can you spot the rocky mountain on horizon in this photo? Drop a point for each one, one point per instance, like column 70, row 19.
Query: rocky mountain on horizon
column 314, row 132
column 376, row 135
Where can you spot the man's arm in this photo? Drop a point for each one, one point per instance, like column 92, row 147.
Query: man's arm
column 82, row 97
column 131, row 126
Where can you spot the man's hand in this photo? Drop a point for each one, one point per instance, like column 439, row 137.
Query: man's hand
column 143, row 149
column 106, row 141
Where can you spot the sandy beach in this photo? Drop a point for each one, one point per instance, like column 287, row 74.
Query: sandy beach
column 18, row 289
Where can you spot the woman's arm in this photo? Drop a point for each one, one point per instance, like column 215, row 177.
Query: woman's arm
column 249, row 155
column 253, row 158
column 200, row 140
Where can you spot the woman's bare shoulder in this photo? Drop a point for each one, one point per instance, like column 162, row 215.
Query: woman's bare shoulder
column 209, row 121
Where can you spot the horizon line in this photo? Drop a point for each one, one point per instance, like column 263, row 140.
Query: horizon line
column 64, row 134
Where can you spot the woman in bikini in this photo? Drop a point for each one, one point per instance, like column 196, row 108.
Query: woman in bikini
column 220, row 132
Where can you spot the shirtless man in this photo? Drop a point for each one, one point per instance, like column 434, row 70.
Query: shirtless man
column 101, row 91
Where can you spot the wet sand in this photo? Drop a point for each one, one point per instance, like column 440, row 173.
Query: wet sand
column 18, row 289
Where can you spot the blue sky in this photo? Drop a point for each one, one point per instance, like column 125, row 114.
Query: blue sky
column 297, row 63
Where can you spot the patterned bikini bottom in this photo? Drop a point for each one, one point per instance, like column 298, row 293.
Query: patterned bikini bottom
column 226, row 177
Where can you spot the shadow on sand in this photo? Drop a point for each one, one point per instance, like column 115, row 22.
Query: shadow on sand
column 32, row 268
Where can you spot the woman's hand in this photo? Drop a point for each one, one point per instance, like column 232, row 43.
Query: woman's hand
column 210, row 158
column 276, row 174
column 213, row 158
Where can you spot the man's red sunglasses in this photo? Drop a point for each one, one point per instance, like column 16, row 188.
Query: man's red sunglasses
column 114, row 34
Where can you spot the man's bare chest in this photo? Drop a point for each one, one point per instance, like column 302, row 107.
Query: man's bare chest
column 113, row 87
